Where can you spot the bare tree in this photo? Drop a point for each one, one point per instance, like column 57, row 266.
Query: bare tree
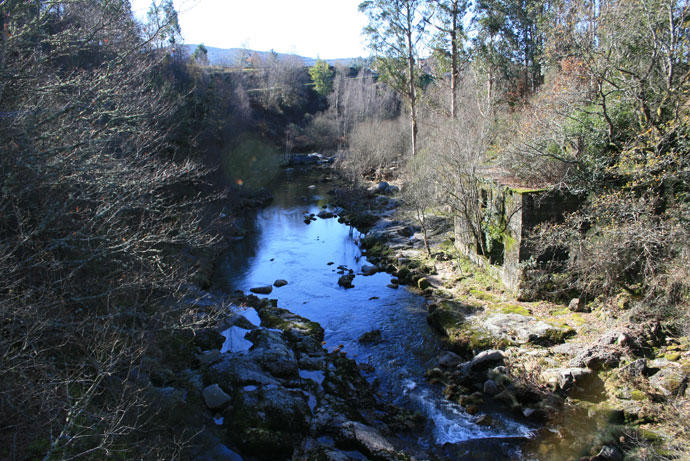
column 360, row 98
column 375, row 147
column 93, row 217
column 284, row 79
column 457, row 150
column 421, row 192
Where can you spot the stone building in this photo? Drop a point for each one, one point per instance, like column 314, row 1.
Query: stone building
column 509, row 214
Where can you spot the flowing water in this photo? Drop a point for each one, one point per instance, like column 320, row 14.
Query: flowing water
column 282, row 246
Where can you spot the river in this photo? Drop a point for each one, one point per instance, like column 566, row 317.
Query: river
column 282, row 246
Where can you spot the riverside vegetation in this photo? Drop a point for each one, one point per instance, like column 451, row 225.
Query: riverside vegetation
column 125, row 170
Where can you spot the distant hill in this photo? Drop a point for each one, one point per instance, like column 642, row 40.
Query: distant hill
column 232, row 56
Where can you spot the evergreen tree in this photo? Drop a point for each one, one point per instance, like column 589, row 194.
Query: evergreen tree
column 511, row 38
column 322, row 76
column 448, row 15
column 200, row 55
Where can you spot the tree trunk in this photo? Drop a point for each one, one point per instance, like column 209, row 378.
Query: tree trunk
column 421, row 217
column 453, row 60
column 412, row 96
column 489, row 86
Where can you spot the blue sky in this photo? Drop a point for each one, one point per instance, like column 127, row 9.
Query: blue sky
column 314, row 28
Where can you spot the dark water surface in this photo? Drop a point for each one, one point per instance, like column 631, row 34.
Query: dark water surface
column 284, row 247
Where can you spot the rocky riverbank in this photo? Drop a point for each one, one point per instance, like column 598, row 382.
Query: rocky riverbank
column 261, row 386
column 597, row 381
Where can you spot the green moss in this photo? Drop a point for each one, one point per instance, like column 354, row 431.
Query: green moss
column 478, row 276
column 447, row 246
column 650, row 436
column 506, row 308
column 375, row 247
column 380, row 250
column 637, row 395
column 484, row 296
column 445, row 320
column 509, row 243
column 577, row 319
column 526, row 190
column 672, row 356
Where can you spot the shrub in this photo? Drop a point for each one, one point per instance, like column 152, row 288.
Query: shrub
column 375, row 147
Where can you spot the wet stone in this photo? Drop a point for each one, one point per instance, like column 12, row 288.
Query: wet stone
column 264, row 290
column 215, row 397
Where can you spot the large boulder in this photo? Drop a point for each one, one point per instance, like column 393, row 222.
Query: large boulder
column 208, row 339
column 485, row 360
column 449, row 359
column 523, row 329
column 668, row 380
column 382, row 186
column 238, row 369
column 267, row 420
column 447, row 316
column 578, row 305
column 294, row 326
column 597, row 357
column 273, row 354
column 567, row 378
column 366, row 439
column 284, row 409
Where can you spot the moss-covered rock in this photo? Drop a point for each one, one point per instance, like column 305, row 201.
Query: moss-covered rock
column 283, row 319
column 447, row 317
column 404, row 276
column 423, row 284
column 362, row 221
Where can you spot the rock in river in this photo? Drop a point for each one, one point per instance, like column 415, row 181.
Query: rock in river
column 346, row 281
column 449, row 359
column 265, row 290
column 369, row 269
column 372, row 336
column 365, row 439
column 280, row 283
